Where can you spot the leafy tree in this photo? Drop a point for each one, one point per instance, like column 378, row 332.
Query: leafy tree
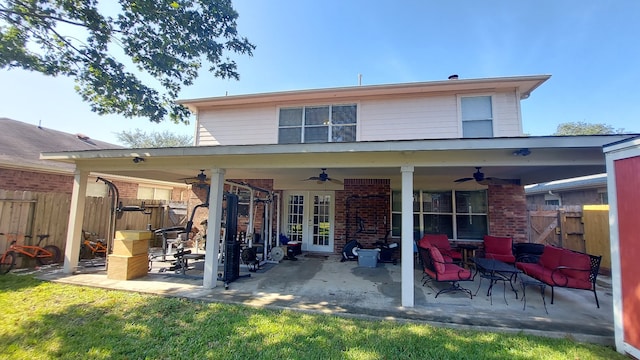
column 166, row 39
column 583, row 128
column 142, row 139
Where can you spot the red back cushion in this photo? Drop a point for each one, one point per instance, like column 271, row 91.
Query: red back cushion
column 550, row 257
column 438, row 260
column 576, row 260
column 424, row 242
column 441, row 241
column 498, row 245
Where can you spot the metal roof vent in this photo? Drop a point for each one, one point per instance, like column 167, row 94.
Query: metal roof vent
column 453, row 77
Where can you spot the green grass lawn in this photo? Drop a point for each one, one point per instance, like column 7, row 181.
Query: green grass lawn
column 42, row 320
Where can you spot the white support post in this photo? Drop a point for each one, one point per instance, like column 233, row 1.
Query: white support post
column 216, row 194
column 74, row 226
column 407, row 237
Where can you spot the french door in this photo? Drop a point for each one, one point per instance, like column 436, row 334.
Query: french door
column 309, row 219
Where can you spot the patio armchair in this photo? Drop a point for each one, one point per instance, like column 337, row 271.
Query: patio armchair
column 499, row 248
column 441, row 241
column 435, row 268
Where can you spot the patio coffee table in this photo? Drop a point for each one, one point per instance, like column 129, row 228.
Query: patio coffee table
column 526, row 280
column 496, row 270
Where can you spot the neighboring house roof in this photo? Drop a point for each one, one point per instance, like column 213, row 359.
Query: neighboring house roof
column 583, row 182
column 524, row 85
column 22, row 143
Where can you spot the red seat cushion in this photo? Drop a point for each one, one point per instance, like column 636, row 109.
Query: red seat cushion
column 454, row 272
column 503, row 258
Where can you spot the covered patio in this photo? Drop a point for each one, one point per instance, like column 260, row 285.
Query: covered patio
column 408, row 165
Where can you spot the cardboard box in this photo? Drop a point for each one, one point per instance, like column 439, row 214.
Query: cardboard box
column 134, row 235
column 130, row 247
column 127, row 267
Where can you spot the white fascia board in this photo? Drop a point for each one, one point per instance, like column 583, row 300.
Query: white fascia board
column 355, row 147
column 622, row 149
column 524, row 84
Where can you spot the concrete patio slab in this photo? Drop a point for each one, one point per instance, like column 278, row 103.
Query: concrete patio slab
column 324, row 284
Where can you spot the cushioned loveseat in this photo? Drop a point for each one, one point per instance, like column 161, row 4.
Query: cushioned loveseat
column 564, row 268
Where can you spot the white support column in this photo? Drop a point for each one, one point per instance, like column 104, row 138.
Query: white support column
column 213, row 229
column 407, row 237
column 76, row 217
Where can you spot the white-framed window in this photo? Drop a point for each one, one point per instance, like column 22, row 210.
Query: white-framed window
column 476, row 113
column 154, row 193
column 462, row 215
column 317, row 124
column 552, row 199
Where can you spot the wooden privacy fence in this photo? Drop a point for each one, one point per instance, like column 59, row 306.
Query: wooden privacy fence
column 27, row 213
column 583, row 228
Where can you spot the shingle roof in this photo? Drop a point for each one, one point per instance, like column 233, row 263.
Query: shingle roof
column 22, row 143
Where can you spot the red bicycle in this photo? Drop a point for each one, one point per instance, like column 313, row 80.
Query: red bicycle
column 44, row 255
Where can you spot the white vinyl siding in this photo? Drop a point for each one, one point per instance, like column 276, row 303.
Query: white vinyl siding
column 241, row 126
column 506, row 115
column 408, row 119
column 379, row 119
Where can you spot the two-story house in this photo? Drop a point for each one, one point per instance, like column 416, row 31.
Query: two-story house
column 430, row 157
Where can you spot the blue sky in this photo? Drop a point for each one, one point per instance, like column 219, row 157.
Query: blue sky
column 590, row 47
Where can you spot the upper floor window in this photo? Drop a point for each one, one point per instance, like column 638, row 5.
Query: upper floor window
column 477, row 116
column 317, row 124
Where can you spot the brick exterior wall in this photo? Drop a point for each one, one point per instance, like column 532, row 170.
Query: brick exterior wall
column 508, row 212
column 362, row 212
column 19, row 180
column 126, row 190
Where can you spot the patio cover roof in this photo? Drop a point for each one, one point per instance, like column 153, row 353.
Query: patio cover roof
column 551, row 158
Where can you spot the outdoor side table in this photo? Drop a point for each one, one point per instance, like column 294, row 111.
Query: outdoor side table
column 525, row 281
column 468, row 251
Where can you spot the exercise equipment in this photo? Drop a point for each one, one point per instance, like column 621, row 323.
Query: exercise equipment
column 231, row 264
column 350, row 250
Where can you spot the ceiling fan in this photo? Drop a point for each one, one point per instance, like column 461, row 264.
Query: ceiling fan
column 323, row 177
column 479, row 177
column 198, row 180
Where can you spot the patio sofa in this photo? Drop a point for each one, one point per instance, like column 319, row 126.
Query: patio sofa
column 564, row 268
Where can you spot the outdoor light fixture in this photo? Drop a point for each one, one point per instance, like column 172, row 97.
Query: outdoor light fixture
column 138, row 159
column 522, row 152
